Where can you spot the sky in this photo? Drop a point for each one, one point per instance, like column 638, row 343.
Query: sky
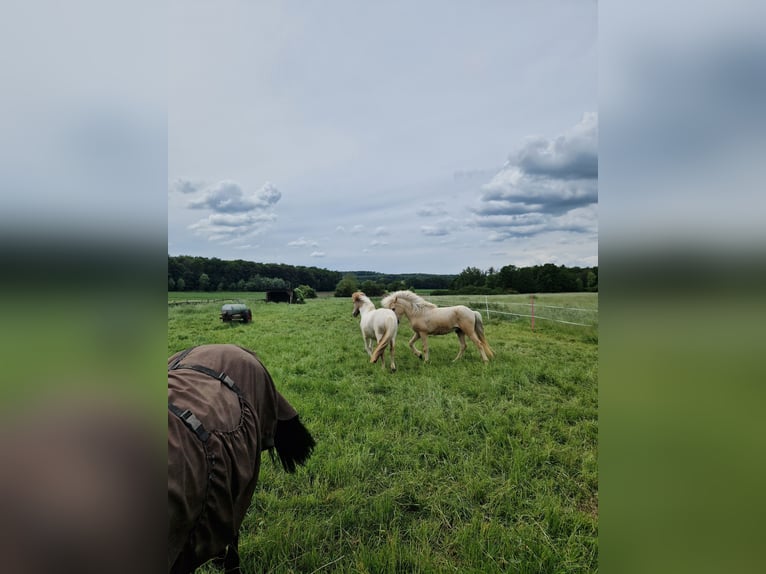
column 395, row 137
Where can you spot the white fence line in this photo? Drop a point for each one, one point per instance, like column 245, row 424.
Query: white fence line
column 489, row 311
column 545, row 318
column 554, row 307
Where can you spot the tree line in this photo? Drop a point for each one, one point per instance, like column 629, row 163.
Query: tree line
column 548, row 278
column 190, row 273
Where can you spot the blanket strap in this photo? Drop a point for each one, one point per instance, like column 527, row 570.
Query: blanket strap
column 223, row 377
column 188, row 418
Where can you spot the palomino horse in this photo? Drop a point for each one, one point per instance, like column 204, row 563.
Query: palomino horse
column 428, row 319
column 378, row 325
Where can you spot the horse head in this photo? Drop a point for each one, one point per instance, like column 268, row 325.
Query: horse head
column 396, row 307
column 358, row 298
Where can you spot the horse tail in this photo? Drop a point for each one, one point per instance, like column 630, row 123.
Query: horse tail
column 384, row 340
column 479, row 326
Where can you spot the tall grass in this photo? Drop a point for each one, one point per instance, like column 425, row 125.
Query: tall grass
column 440, row 467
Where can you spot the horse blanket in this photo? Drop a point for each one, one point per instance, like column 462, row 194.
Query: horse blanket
column 223, row 411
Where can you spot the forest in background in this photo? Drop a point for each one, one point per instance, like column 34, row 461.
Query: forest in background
column 192, row 273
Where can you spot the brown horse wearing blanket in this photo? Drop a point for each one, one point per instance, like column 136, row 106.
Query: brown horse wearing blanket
column 223, row 411
column 428, row 319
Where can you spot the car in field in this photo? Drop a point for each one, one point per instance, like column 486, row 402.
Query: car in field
column 236, row 312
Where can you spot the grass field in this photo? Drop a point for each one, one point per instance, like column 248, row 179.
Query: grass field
column 440, row 467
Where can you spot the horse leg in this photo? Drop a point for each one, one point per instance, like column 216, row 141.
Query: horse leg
column 383, row 359
column 425, row 346
column 391, row 352
column 461, row 338
column 415, row 337
column 480, row 346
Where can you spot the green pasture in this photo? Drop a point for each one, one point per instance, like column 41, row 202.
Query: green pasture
column 440, row 467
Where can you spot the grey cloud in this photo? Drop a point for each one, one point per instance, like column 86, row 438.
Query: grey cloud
column 431, row 210
column 434, row 231
column 235, row 214
column 573, row 155
column 541, row 184
column 240, row 219
column 492, row 207
column 231, row 224
column 581, row 220
column 228, row 197
column 267, row 195
column 534, row 193
column 302, row 242
column 186, row 186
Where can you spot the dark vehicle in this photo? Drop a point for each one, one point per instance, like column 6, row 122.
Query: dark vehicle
column 236, row 312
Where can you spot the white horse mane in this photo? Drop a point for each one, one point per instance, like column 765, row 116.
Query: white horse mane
column 413, row 299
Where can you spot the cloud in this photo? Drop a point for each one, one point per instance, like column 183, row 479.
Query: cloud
column 380, row 231
column 548, row 185
column 186, row 186
column 573, row 155
column 443, row 227
column 228, row 197
column 357, row 229
column 434, row 230
column 434, row 209
column 582, row 220
column 317, row 254
column 225, row 227
column 302, row 242
column 235, row 213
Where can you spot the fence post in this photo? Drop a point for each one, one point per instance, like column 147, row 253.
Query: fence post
column 486, row 303
column 532, row 306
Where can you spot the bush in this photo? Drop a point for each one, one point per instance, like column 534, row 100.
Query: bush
column 372, row 289
column 347, row 286
column 307, row 291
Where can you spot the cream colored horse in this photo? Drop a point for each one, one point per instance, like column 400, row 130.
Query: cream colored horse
column 378, row 325
column 428, row 319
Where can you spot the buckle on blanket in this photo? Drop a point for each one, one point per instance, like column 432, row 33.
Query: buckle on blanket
column 191, row 421
column 226, row 380
column 195, row 424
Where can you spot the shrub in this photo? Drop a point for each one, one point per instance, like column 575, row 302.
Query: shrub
column 307, row 291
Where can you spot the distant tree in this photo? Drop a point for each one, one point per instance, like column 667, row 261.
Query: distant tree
column 346, row 286
column 204, row 282
column 221, row 286
column 171, row 284
column 397, row 286
column 308, row 292
column 493, row 279
column 180, row 284
column 372, row 288
column 470, row 276
column 591, row 281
